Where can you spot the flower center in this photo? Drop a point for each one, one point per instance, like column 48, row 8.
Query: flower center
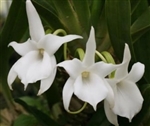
column 41, row 51
column 85, row 74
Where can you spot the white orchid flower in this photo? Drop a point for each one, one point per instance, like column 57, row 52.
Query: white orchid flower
column 38, row 61
column 86, row 79
column 128, row 99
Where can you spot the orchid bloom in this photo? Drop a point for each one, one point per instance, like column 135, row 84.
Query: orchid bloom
column 86, row 79
column 38, row 61
column 128, row 99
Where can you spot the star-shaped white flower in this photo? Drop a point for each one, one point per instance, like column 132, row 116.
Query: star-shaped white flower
column 128, row 99
column 38, row 61
column 86, row 79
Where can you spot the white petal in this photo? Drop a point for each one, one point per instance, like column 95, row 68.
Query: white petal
column 127, row 54
column 46, row 83
column 136, row 72
column 67, row 93
column 110, row 96
column 112, row 118
column 73, row 67
column 51, row 42
column 91, row 90
column 123, row 71
column 41, row 68
column 23, row 48
column 11, row 76
column 103, row 69
column 89, row 57
column 35, row 24
column 23, row 65
column 128, row 99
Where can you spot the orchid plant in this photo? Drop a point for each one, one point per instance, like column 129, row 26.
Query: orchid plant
column 101, row 86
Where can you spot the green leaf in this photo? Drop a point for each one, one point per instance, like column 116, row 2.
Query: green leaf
column 99, row 119
column 142, row 52
column 35, row 102
column 96, row 11
column 53, row 91
column 141, row 7
column 67, row 16
column 47, row 14
column 83, row 16
column 119, row 21
column 42, row 118
column 134, row 4
column 25, row 120
column 13, row 30
column 102, row 35
column 141, row 25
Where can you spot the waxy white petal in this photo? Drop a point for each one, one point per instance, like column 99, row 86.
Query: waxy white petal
column 103, row 69
column 73, row 67
column 51, row 42
column 128, row 99
column 127, row 54
column 91, row 89
column 110, row 114
column 67, row 93
column 136, row 72
column 23, row 65
column 23, row 48
column 46, row 83
column 110, row 96
column 41, row 68
column 11, row 76
column 89, row 57
column 122, row 71
column 35, row 25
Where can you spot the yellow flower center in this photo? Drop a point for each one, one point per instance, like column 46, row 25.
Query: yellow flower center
column 85, row 74
column 41, row 51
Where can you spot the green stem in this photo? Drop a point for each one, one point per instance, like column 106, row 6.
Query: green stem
column 109, row 59
column 58, row 31
column 101, row 56
column 65, row 51
column 80, row 110
column 80, row 53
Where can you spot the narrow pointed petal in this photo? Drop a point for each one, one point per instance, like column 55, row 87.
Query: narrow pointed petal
column 136, row 72
column 103, row 69
column 112, row 118
column 128, row 99
column 89, row 57
column 35, row 25
column 91, row 90
column 51, row 43
column 41, row 68
column 23, row 48
column 127, row 54
column 11, row 76
column 67, row 93
column 46, row 83
column 73, row 67
column 123, row 71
